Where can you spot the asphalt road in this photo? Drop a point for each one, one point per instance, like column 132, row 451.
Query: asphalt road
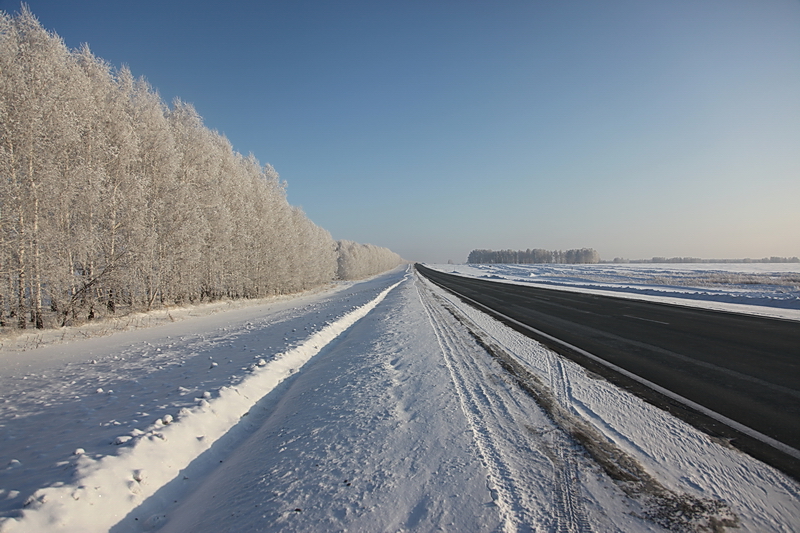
column 745, row 368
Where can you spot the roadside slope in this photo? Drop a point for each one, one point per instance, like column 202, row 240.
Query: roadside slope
column 199, row 385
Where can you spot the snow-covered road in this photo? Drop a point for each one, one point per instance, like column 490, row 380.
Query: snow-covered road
column 385, row 405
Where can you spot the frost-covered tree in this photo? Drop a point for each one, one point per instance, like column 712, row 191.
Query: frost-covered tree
column 110, row 199
column 38, row 129
column 356, row 261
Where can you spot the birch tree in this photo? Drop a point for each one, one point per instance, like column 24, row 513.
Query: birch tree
column 110, row 198
column 38, row 127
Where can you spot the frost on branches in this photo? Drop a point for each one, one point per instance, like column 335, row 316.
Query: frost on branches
column 357, row 261
column 111, row 200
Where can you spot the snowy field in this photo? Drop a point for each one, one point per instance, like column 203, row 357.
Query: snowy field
column 769, row 289
column 383, row 405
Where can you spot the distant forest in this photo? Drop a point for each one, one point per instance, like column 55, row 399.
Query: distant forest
column 112, row 201
column 582, row 255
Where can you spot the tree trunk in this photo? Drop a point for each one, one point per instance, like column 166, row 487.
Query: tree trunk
column 36, row 279
column 21, row 323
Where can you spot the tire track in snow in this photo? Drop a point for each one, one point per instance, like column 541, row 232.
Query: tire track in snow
column 504, row 496
column 572, row 518
column 509, row 455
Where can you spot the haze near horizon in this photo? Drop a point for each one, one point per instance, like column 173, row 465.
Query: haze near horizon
column 638, row 129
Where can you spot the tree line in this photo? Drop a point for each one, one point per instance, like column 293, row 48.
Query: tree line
column 112, row 200
column 529, row 256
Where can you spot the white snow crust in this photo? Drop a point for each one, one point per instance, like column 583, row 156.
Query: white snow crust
column 373, row 406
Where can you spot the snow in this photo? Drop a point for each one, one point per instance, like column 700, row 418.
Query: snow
column 766, row 289
column 369, row 406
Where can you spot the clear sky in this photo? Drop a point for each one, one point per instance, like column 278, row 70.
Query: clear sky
column 635, row 127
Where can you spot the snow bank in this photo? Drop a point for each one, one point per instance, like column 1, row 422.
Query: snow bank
column 107, row 489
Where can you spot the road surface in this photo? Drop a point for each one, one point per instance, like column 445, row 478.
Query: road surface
column 745, row 368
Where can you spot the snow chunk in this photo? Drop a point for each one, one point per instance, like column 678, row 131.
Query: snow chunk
column 155, row 521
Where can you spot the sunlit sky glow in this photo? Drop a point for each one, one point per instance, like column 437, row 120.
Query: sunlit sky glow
column 637, row 128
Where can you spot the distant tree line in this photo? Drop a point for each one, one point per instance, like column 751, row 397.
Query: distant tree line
column 772, row 259
column 357, row 261
column 112, row 200
column 531, row 256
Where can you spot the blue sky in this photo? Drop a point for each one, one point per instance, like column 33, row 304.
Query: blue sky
column 637, row 128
